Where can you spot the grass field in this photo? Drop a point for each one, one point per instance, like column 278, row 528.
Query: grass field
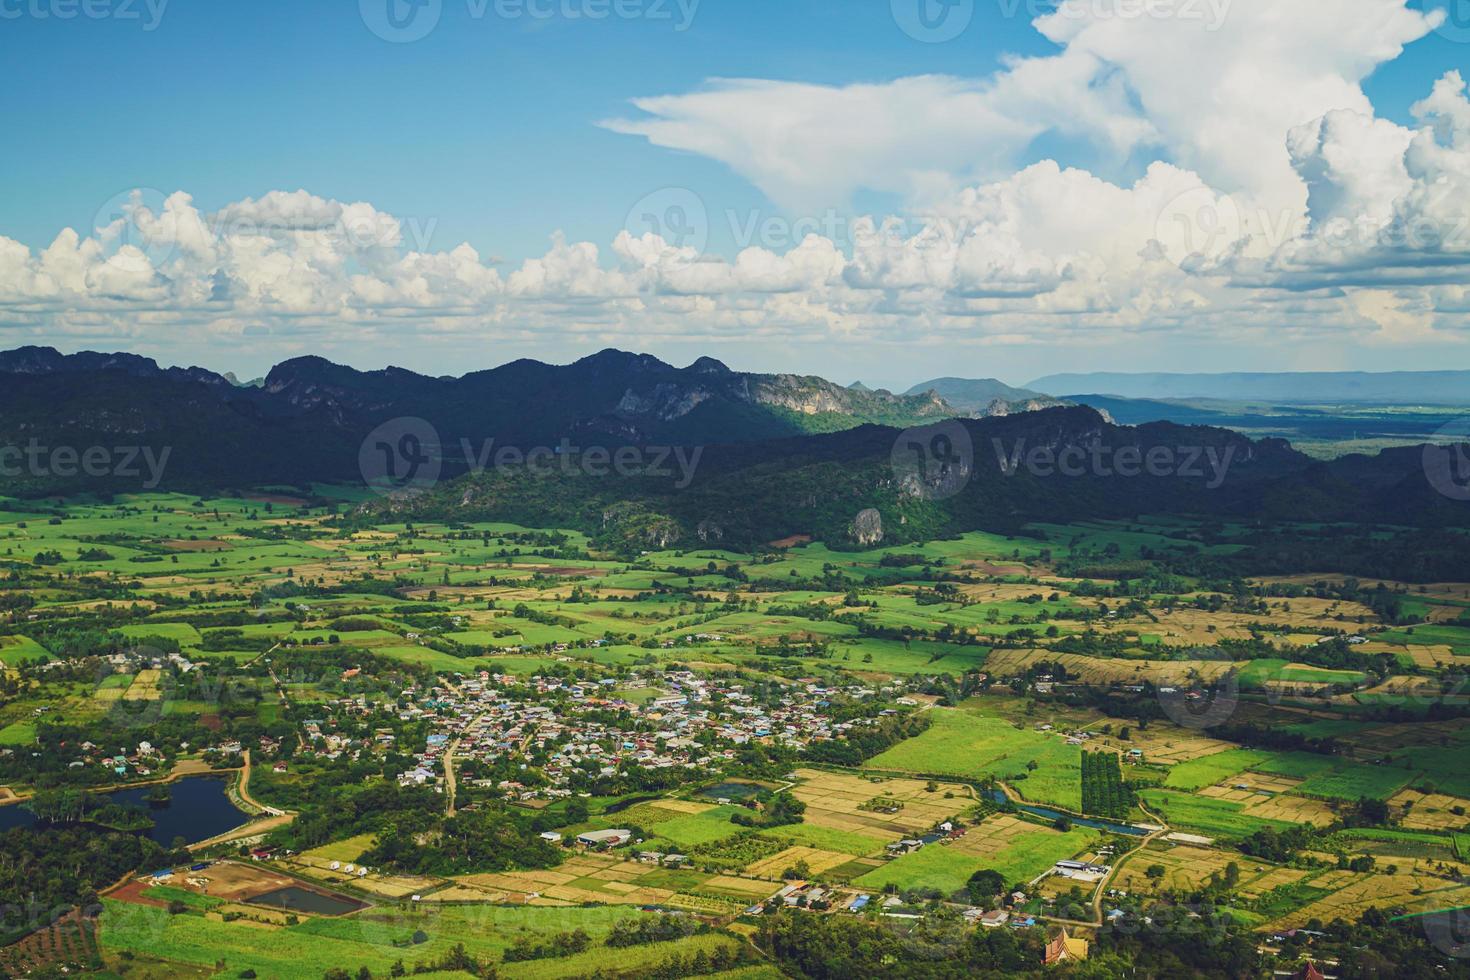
column 1211, row 817
column 18, row 733
column 17, row 650
column 1211, row 769
column 309, row 949
column 967, row 743
column 1022, row 855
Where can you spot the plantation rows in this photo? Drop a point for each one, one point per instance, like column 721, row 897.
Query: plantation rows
column 69, row 942
column 1104, row 794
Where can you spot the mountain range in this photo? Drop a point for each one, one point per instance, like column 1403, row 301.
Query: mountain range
column 777, row 455
column 307, row 418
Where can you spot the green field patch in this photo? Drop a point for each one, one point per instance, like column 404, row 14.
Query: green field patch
column 1212, row 817
column 18, row 733
column 692, row 829
column 947, row 869
column 1211, row 769
column 1299, row 765
column 183, row 633
column 963, row 742
column 18, row 650
column 1260, row 673
column 309, row 949
column 826, row 839
column 1353, row 782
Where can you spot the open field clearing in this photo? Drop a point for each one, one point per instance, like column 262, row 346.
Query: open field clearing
column 1185, row 868
column 368, row 939
column 1352, row 894
column 144, row 687
column 1103, row 671
column 818, row 860
column 1202, row 815
column 1208, row 770
column 963, row 742
column 17, row 650
column 834, row 801
column 377, row 678
column 1018, row 850
column 1431, row 811
column 1269, row 798
column 828, row 839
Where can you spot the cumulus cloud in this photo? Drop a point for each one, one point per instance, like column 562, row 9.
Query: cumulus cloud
column 1284, row 207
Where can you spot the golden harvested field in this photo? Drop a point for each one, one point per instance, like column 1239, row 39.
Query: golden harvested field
column 1423, row 655
column 1403, row 686
column 832, row 800
column 741, row 886
column 144, row 686
column 1007, row 592
column 1097, row 670
column 586, row 878
column 468, row 893
column 1430, row 811
column 1353, row 894
column 1268, row 879
column 818, row 860
column 682, row 806
column 317, row 864
column 1186, row 868
column 343, row 850
column 1265, row 796
column 995, row 834
column 1184, row 627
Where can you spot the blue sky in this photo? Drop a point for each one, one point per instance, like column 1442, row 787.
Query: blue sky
column 488, row 131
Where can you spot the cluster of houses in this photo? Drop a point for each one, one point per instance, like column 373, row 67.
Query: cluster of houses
column 562, row 727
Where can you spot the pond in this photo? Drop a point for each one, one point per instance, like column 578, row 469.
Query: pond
column 1041, row 811
column 199, row 809
column 294, row 898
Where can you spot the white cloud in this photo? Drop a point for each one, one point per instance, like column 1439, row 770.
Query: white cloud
column 1279, row 204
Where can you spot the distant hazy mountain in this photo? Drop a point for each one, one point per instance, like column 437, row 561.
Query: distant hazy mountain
column 977, row 395
column 1326, row 387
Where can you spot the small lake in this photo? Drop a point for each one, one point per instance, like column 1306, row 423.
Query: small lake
column 1041, row 811
column 199, row 809
column 294, row 898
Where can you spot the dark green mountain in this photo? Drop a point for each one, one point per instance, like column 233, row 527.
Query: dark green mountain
column 307, row 420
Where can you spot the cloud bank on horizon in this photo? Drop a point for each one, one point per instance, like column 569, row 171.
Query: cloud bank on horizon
column 1277, row 202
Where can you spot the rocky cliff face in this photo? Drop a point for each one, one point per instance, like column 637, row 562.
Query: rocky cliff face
column 867, row 528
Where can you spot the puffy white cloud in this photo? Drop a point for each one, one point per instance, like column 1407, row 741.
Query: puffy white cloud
column 1284, row 207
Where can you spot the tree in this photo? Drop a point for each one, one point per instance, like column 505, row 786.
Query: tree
column 1155, row 871
column 984, row 884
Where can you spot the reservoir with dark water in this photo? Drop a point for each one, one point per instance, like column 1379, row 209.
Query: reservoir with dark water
column 199, row 809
